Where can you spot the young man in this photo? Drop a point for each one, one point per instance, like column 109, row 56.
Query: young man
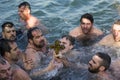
column 10, row 52
column 69, row 52
column 86, row 32
column 112, row 39
column 99, row 63
column 24, row 11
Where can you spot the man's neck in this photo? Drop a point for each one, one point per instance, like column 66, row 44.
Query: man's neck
column 33, row 47
column 9, row 60
column 102, row 73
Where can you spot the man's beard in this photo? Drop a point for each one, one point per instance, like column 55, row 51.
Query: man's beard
column 94, row 70
column 13, row 37
column 41, row 44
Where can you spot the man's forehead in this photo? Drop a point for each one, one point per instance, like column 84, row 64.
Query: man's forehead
column 4, row 66
column 96, row 58
column 116, row 27
column 22, row 7
column 86, row 20
column 9, row 28
column 36, row 32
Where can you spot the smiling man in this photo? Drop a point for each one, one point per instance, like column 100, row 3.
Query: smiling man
column 112, row 39
column 86, row 32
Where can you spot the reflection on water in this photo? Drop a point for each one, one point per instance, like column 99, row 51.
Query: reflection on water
column 61, row 16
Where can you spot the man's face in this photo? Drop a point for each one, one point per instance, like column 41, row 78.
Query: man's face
column 14, row 52
column 5, row 72
column 116, row 32
column 23, row 11
column 94, row 64
column 38, row 39
column 66, row 44
column 86, row 25
column 9, row 33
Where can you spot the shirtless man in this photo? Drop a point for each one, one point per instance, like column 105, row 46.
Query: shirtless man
column 24, row 11
column 10, row 51
column 69, row 52
column 8, row 31
column 36, row 47
column 99, row 64
column 86, row 32
column 5, row 70
column 59, row 61
column 112, row 39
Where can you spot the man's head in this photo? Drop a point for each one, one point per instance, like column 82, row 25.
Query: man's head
column 100, row 62
column 68, row 42
column 86, row 23
column 9, row 50
column 36, row 37
column 24, row 10
column 8, row 31
column 5, row 70
column 116, row 30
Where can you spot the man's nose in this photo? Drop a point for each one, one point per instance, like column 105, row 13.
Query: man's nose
column 116, row 33
column 90, row 62
column 8, row 73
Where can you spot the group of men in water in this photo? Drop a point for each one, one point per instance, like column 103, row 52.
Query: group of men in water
column 19, row 65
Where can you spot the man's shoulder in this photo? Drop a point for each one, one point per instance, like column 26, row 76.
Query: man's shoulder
column 108, row 39
column 97, row 31
column 75, row 32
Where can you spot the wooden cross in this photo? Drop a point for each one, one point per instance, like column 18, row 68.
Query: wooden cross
column 57, row 47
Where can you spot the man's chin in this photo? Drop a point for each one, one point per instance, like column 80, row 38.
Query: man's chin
column 85, row 32
column 117, row 40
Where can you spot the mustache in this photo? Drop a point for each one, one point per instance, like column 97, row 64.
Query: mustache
column 12, row 35
column 42, row 41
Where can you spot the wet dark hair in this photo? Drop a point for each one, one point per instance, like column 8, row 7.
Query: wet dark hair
column 70, row 38
column 117, row 22
column 29, row 33
column 7, row 24
column 4, row 46
column 87, row 16
column 25, row 4
column 106, row 59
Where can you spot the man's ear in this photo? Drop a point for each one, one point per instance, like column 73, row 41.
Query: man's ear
column 102, row 68
column 7, row 55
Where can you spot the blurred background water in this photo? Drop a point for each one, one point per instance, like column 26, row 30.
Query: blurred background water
column 61, row 16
